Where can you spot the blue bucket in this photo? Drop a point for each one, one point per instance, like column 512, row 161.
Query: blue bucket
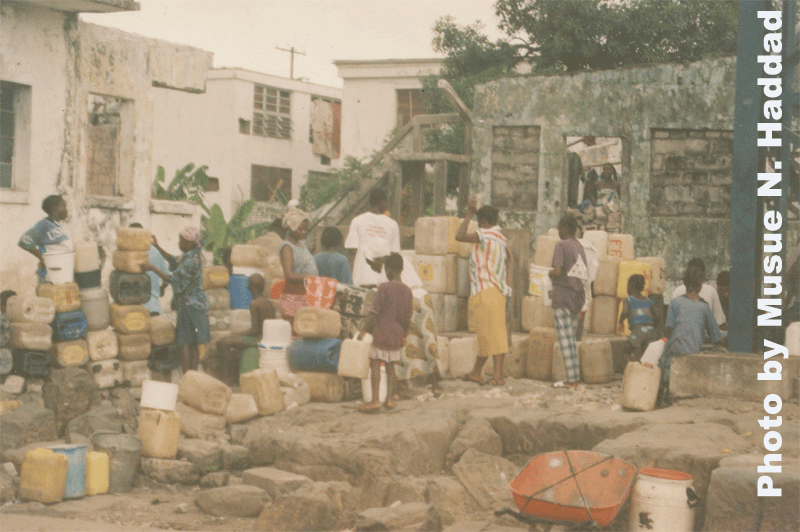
column 240, row 294
column 315, row 354
column 76, row 469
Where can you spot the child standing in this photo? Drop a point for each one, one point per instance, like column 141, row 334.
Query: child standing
column 642, row 317
column 189, row 297
column 388, row 322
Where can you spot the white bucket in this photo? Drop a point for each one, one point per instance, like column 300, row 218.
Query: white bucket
column 60, row 267
column 366, row 387
column 659, row 497
column 274, row 356
column 276, row 332
column 159, row 395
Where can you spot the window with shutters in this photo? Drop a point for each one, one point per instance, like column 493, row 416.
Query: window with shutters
column 272, row 112
column 269, row 183
column 15, row 133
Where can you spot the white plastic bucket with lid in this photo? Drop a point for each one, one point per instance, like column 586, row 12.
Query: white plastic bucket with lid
column 276, row 332
column 60, row 267
column 159, row 395
column 274, row 356
column 660, row 499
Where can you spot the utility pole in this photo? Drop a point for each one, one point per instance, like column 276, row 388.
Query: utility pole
column 291, row 64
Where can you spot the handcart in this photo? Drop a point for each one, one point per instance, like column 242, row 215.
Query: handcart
column 573, row 487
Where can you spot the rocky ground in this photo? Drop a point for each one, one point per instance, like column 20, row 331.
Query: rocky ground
column 445, row 463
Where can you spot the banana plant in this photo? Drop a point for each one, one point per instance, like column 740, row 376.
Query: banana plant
column 219, row 234
column 186, row 185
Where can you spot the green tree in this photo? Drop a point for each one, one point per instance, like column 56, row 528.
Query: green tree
column 188, row 184
column 219, row 234
column 323, row 188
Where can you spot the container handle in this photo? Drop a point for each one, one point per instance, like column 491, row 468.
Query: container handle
column 693, row 500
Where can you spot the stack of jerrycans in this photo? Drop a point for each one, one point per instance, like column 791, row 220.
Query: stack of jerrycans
column 69, row 326
column 159, row 423
column 31, row 334
column 130, row 289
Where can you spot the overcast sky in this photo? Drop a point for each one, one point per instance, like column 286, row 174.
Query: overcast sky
column 244, row 33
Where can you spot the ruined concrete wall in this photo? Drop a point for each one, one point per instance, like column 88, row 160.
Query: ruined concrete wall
column 676, row 124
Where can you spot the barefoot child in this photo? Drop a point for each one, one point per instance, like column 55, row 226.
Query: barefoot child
column 641, row 316
column 388, row 322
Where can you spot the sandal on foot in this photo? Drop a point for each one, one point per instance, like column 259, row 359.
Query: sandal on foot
column 495, row 382
column 369, row 408
column 467, row 378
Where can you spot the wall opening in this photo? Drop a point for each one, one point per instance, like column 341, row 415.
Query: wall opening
column 109, row 146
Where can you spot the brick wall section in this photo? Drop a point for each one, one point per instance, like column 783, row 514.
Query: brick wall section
column 690, row 173
column 101, row 172
column 515, row 167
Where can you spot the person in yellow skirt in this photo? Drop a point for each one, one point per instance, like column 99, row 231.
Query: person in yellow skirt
column 490, row 289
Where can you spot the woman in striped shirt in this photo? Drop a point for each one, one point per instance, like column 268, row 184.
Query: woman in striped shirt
column 490, row 288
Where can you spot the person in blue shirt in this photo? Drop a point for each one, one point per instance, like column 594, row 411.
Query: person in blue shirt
column 156, row 288
column 331, row 263
column 47, row 236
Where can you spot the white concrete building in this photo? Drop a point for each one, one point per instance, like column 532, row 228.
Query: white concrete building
column 78, row 120
column 260, row 135
column 378, row 96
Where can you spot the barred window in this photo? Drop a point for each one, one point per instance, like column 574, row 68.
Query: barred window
column 272, row 112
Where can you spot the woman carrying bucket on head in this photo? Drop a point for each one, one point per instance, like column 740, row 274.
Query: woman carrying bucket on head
column 48, row 237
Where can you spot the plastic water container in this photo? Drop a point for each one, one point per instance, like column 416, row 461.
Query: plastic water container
column 164, row 358
column 130, row 319
column 433, row 270
column 462, row 249
column 273, row 356
column 662, row 495
column 96, row 473
column 129, row 288
column 324, row 387
column 162, row 331
column 463, row 354
column 70, row 326
column 315, row 354
column 102, row 344
column 596, row 360
column 276, row 332
column 75, row 486
column 95, row 306
column 159, row 395
column 215, row 277
column 241, row 408
column 432, row 235
column 219, row 320
column 6, row 361
column 133, row 346
column 204, row 392
column 218, row 298
column 160, row 433
column 34, row 364
column 620, row 245
column 66, row 297
column 627, row 268
column 366, row 386
column 312, row 322
column 535, row 313
column 241, row 320
column 354, row 358
column 239, row 293
column 43, row 477
column 353, row 300
column 129, row 261
column 71, row 353
column 33, row 336
column 195, row 423
column 60, row 266
column 598, row 240
column 640, row 387
column 604, row 315
column 88, row 279
column 263, row 384
column 605, row 281
column 133, row 239
column 87, row 257
column 540, row 353
column 545, row 249
column 658, row 274
column 30, row 309
column 106, row 373
column 247, row 255
column 296, row 391
column 135, row 373
column 124, row 453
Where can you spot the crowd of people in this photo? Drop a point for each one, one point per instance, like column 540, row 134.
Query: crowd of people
column 402, row 320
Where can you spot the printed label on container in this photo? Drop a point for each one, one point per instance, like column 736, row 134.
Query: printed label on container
column 135, row 321
column 73, row 354
column 425, row 272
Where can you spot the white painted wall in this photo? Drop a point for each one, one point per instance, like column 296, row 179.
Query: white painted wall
column 369, row 104
column 205, row 130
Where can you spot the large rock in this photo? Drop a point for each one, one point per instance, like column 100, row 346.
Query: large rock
column 476, row 434
column 8, row 487
column 215, row 480
column 486, row 478
column 274, row 481
column 235, row 457
column 406, row 489
column 69, row 392
column 307, row 508
column 26, row 424
column 733, row 502
column 409, row 516
column 232, row 501
column 171, row 471
column 206, row 455
column 104, row 418
column 450, row 498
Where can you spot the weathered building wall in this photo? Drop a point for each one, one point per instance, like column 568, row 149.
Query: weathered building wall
column 676, row 124
column 58, row 62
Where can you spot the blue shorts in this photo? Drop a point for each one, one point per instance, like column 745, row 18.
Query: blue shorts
column 192, row 326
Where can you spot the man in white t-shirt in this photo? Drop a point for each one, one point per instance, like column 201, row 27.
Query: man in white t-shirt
column 369, row 230
column 707, row 293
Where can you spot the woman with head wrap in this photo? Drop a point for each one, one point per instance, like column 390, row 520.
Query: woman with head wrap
column 189, row 297
column 297, row 262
